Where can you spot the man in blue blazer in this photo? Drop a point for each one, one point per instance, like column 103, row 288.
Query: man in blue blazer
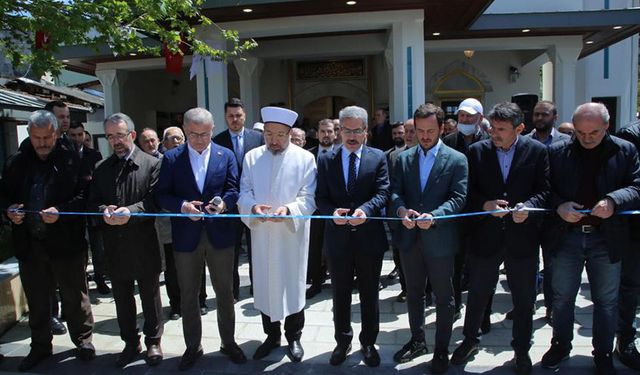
column 508, row 171
column 428, row 181
column 192, row 177
column 239, row 140
column 354, row 182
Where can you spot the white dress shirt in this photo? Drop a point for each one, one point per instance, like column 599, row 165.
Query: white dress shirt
column 199, row 164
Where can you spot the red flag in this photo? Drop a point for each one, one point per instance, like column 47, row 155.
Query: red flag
column 42, row 39
column 173, row 61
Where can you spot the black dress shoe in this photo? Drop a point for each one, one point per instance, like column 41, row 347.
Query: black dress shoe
column 628, row 354
column 523, row 364
column 153, row 357
column 57, row 328
column 295, row 352
column 412, row 349
column 32, row 359
column 313, row 291
column 371, row 356
column 86, row 352
column 339, row 354
column 234, row 353
column 174, row 315
column 393, row 274
column 203, row 310
column 267, row 346
column 440, row 362
column 190, row 357
column 465, row 352
column 128, row 354
column 102, row 286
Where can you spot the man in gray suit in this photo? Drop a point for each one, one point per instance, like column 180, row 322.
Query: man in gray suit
column 428, row 181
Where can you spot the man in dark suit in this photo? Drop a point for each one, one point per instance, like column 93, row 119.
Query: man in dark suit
column 88, row 160
column 315, row 270
column 470, row 114
column 193, row 176
column 506, row 171
column 239, row 140
column 428, row 181
column 123, row 184
column 381, row 130
column 600, row 173
column 51, row 250
column 354, row 182
column 545, row 116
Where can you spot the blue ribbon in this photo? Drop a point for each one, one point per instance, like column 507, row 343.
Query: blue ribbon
column 322, row 217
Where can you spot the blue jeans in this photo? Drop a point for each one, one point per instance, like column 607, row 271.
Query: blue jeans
column 577, row 251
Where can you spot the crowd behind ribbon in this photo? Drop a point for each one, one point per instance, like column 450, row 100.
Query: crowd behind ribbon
column 544, row 191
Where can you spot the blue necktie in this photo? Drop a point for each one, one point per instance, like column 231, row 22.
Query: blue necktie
column 351, row 183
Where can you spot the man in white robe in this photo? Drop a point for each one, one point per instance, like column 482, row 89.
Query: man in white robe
column 279, row 178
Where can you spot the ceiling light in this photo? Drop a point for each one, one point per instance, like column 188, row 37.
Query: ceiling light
column 133, row 54
column 468, row 53
column 436, row 34
column 351, row 3
column 65, row 61
column 589, row 42
column 617, row 27
column 526, row 30
column 247, row 10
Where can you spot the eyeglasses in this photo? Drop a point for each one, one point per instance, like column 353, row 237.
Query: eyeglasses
column 352, row 131
column 174, row 138
column 199, row 135
column 117, row 136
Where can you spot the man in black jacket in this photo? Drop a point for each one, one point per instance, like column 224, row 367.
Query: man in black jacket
column 508, row 171
column 600, row 173
column 630, row 280
column 123, row 184
column 44, row 177
column 240, row 140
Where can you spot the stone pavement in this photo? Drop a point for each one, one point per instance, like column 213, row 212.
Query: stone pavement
column 317, row 339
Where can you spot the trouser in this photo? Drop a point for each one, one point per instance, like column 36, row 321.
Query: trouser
column 367, row 266
column 171, row 281
column 314, row 264
column 577, row 251
column 521, row 276
column 439, row 270
column 293, row 325
column 97, row 252
column 459, row 270
column 629, row 291
column 240, row 230
column 124, row 296
column 220, row 263
column 39, row 277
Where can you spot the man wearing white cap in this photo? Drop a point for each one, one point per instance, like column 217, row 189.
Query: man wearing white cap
column 279, row 178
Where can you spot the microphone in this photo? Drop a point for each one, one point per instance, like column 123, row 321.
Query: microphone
column 214, row 203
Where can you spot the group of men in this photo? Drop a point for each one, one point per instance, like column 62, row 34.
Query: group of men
column 533, row 189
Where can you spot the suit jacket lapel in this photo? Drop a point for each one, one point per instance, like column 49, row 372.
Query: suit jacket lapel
column 493, row 163
column 337, row 161
column 438, row 166
column 184, row 163
column 214, row 159
column 521, row 149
